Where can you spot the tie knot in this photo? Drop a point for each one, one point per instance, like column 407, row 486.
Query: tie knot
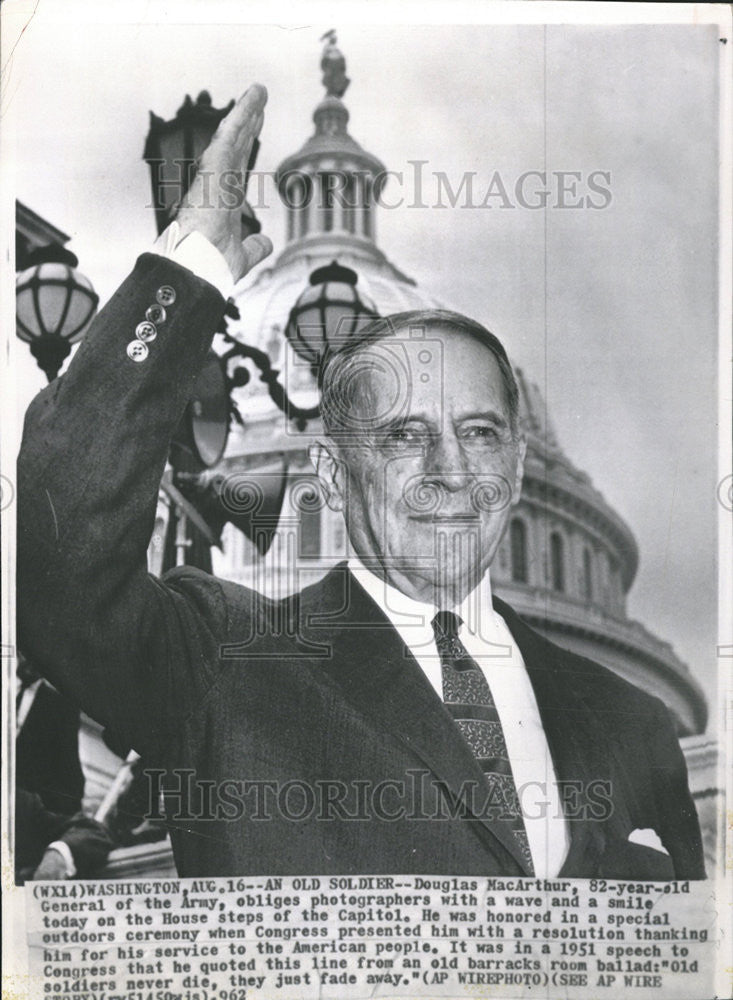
column 446, row 625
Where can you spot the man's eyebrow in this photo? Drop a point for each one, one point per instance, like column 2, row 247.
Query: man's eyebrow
column 398, row 423
column 492, row 415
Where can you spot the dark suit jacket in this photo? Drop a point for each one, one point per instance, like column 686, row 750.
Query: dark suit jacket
column 47, row 752
column 349, row 760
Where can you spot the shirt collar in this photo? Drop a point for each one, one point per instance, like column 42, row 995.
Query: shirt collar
column 412, row 618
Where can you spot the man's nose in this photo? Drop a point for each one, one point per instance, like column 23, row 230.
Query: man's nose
column 445, row 464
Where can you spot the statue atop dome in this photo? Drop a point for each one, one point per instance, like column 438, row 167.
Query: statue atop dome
column 333, row 65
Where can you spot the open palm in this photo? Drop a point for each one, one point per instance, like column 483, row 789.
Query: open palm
column 210, row 206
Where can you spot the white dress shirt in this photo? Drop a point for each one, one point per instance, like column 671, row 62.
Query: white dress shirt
column 488, row 640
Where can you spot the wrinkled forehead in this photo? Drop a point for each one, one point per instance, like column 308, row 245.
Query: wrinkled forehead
column 425, row 370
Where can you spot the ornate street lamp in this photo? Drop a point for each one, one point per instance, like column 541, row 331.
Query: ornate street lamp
column 54, row 305
column 327, row 313
column 172, row 151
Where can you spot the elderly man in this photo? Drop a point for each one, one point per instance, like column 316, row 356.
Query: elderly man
column 391, row 718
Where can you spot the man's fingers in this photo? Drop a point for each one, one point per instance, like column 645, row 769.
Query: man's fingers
column 257, row 247
column 253, row 99
column 227, row 155
column 244, row 121
column 242, row 257
column 249, row 106
column 248, row 254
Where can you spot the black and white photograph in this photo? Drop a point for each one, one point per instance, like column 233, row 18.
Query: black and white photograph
column 366, row 499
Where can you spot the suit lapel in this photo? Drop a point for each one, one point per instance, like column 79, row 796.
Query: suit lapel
column 580, row 752
column 380, row 677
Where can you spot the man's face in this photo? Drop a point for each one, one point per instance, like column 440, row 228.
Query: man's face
column 429, row 474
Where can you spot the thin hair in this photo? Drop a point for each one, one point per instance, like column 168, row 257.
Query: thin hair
column 343, row 388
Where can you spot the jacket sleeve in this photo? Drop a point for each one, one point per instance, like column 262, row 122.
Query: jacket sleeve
column 135, row 653
column 89, row 843
column 678, row 824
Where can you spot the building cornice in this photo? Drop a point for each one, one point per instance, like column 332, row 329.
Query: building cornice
column 553, row 483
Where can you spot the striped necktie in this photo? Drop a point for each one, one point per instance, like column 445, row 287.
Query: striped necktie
column 468, row 698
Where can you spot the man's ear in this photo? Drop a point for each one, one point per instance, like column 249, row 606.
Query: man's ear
column 331, row 472
column 519, row 471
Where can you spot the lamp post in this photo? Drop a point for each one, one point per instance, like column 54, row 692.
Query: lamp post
column 172, row 151
column 54, row 305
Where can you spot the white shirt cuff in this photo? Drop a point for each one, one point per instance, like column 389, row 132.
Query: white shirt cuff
column 198, row 254
column 65, row 851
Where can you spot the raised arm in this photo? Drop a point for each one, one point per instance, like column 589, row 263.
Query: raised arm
column 131, row 651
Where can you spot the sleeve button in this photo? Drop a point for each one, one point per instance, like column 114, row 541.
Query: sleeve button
column 166, row 295
column 156, row 314
column 146, row 331
column 137, row 350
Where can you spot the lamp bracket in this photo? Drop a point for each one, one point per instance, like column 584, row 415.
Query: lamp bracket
column 270, row 376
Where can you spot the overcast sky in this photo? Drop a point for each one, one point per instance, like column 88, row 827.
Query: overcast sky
column 611, row 309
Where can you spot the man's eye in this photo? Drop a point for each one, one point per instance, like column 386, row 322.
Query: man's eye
column 480, row 432
column 406, row 436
